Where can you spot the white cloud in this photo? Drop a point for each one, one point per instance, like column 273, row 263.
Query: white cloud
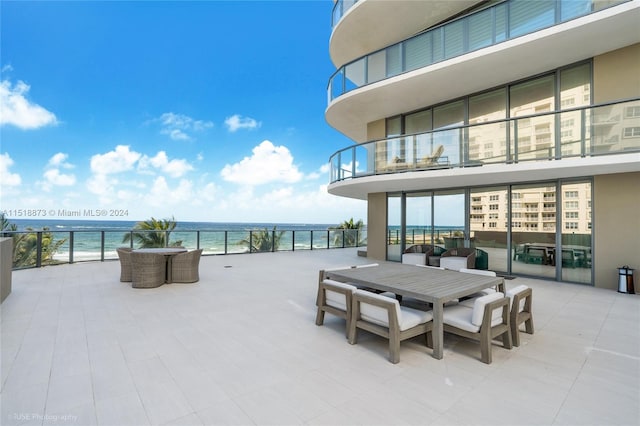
column 17, row 110
column 323, row 171
column 60, row 160
column 174, row 168
column 8, row 178
column 162, row 195
column 178, row 126
column 268, row 164
column 119, row 160
column 53, row 177
column 236, row 122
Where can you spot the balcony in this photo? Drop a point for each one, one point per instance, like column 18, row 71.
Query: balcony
column 241, row 347
column 445, row 158
column 509, row 41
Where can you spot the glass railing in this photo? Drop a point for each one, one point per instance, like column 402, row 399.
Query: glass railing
column 36, row 248
column 609, row 128
column 495, row 24
column 339, row 9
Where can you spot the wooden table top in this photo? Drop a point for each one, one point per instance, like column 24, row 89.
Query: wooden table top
column 430, row 285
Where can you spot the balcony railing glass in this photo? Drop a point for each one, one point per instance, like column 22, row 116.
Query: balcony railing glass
column 339, row 9
column 609, row 128
column 36, row 248
column 495, row 24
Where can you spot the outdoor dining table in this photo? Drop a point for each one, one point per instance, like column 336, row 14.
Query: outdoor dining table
column 168, row 252
column 435, row 286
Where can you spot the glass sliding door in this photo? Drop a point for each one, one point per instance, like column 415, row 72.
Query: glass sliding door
column 449, row 218
column 575, row 254
column 533, row 230
column 394, row 227
column 418, row 221
column 488, row 221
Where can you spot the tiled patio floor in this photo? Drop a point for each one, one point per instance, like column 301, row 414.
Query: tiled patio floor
column 241, row 347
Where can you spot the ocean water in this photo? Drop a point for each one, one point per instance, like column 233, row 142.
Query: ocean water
column 84, row 238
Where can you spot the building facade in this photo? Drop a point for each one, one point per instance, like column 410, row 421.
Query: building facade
column 509, row 126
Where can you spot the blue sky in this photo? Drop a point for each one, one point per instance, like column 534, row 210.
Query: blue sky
column 206, row 111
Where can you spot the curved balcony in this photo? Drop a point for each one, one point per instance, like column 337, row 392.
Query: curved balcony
column 494, row 152
column 364, row 26
column 375, row 90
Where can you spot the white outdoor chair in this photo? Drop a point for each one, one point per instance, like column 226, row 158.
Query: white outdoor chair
column 414, row 258
column 385, row 317
column 469, row 302
column 334, row 297
column 521, row 301
column 488, row 319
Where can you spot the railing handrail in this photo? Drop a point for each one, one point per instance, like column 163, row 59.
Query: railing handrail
column 442, row 27
column 334, row 237
column 510, row 125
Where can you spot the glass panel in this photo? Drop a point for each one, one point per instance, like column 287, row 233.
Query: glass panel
column 480, row 30
column 527, row 16
column 449, row 218
column 575, row 87
column 534, row 136
column 487, row 142
column 394, row 60
column 418, row 52
column 337, row 83
column 394, row 213
column 418, row 219
column 533, row 230
column 335, row 167
column 576, row 232
column 364, row 159
column 420, row 122
column 437, row 44
column 454, row 39
column 355, row 75
column 445, row 116
column 501, row 22
column 574, row 8
column 488, row 226
column 346, row 164
column 377, row 67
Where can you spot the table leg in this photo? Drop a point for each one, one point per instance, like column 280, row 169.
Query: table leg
column 438, row 330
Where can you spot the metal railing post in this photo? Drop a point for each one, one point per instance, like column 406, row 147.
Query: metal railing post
column 71, row 233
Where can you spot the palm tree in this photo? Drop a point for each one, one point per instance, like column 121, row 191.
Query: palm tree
column 25, row 245
column 350, row 236
column 153, row 233
column 264, row 240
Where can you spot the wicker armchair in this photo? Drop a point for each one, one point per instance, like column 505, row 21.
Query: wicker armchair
column 124, row 254
column 149, row 270
column 184, row 267
column 469, row 253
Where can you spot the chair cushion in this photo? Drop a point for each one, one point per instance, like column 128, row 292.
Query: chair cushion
column 459, row 316
column 453, row 263
column 478, row 309
column 335, row 299
column 478, row 272
column 407, row 317
column 511, row 293
column 414, row 258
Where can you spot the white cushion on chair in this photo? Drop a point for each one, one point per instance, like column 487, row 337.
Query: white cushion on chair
column 478, row 272
column 459, row 316
column 407, row 317
column 335, row 299
column 453, row 262
column 478, row 309
column 414, row 258
column 511, row 293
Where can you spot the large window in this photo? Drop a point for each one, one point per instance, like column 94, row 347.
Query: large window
column 535, row 135
column 575, row 254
